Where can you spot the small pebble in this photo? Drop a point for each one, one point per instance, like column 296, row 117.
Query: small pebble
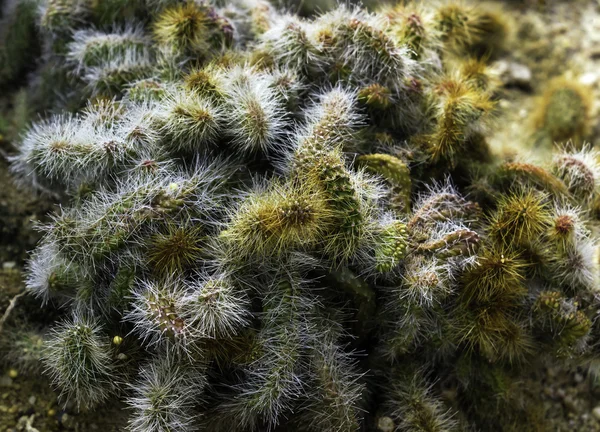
column 9, row 265
column 31, row 400
column 596, row 412
column 385, row 424
column 569, row 403
column 588, row 79
column 513, row 74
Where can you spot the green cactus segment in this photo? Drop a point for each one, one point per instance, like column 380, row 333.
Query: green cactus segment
column 146, row 90
column 458, row 242
column 123, row 216
column 277, row 366
column 499, row 274
column 566, row 114
column 78, row 357
column 413, row 406
column 533, row 174
column 277, row 222
column 579, row 170
column 336, row 405
column 396, row 173
column 91, row 49
column 326, row 170
column 389, row 167
column 337, row 184
column 460, row 108
column 566, row 324
column 64, row 279
column 453, row 22
column 122, row 287
column 375, row 96
column 175, row 249
column 191, row 28
column 60, row 16
column 163, row 312
column 392, row 247
column 407, row 26
column 165, row 393
column 521, row 217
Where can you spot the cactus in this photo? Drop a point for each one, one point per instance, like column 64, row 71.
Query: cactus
column 164, row 397
column 564, row 113
column 80, row 361
column 265, row 224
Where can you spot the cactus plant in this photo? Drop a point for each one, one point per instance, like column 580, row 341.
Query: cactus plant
column 265, row 223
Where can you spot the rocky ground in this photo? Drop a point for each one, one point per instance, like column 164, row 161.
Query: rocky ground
column 27, row 404
column 571, row 399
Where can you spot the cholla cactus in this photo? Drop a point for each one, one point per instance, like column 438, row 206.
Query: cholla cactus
column 266, row 217
column 79, row 359
column 165, row 395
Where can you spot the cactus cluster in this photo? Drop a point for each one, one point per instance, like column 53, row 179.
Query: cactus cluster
column 272, row 222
